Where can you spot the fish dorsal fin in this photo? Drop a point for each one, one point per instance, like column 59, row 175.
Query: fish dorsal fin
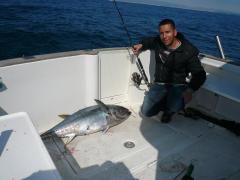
column 103, row 106
column 64, row 116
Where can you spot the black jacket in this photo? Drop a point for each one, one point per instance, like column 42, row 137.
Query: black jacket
column 175, row 67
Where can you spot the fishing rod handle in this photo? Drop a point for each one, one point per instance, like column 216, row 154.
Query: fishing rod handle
column 140, row 63
column 142, row 72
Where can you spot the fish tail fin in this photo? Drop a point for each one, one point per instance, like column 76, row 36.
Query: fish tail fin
column 46, row 134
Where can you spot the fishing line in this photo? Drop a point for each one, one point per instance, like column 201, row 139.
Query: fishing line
column 124, row 26
column 138, row 62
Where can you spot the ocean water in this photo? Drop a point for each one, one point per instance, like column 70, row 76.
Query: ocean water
column 33, row 27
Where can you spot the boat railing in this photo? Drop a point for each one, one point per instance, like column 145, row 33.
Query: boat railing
column 220, row 47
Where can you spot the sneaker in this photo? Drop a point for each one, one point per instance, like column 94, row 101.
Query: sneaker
column 166, row 117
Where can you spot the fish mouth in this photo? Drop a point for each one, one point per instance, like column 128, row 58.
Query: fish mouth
column 126, row 114
column 123, row 115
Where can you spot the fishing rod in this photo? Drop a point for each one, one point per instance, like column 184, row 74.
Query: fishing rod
column 138, row 62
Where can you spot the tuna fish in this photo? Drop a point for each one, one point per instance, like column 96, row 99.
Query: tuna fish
column 89, row 120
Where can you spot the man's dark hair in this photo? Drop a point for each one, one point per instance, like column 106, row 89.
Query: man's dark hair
column 167, row 21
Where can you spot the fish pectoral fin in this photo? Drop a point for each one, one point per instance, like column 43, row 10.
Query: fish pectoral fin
column 103, row 106
column 64, row 116
column 106, row 129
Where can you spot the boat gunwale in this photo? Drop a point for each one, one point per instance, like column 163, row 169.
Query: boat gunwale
column 42, row 57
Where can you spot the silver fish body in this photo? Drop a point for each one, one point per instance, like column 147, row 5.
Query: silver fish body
column 90, row 120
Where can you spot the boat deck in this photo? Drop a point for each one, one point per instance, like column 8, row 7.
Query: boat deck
column 161, row 151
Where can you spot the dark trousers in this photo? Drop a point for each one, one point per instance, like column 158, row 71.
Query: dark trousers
column 163, row 97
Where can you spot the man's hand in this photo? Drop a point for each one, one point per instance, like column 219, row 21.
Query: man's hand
column 187, row 95
column 137, row 49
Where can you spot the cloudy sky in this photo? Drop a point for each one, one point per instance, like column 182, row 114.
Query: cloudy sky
column 232, row 6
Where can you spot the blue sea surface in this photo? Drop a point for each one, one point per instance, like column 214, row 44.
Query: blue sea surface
column 33, row 27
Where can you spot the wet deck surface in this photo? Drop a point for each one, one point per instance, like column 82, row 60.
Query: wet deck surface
column 162, row 151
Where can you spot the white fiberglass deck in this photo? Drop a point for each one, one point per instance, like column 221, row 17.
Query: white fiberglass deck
column 162, row 151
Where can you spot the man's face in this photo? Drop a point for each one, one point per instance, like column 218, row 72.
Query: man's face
column 167, row 34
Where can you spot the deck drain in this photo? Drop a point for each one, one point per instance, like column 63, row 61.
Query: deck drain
column 129, row 144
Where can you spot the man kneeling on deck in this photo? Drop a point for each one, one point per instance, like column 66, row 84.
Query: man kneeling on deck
column 175, row 58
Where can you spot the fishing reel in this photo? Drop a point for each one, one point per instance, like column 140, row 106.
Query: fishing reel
column 137, row 79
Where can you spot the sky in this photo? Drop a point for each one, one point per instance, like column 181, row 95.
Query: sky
column 227, row 6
